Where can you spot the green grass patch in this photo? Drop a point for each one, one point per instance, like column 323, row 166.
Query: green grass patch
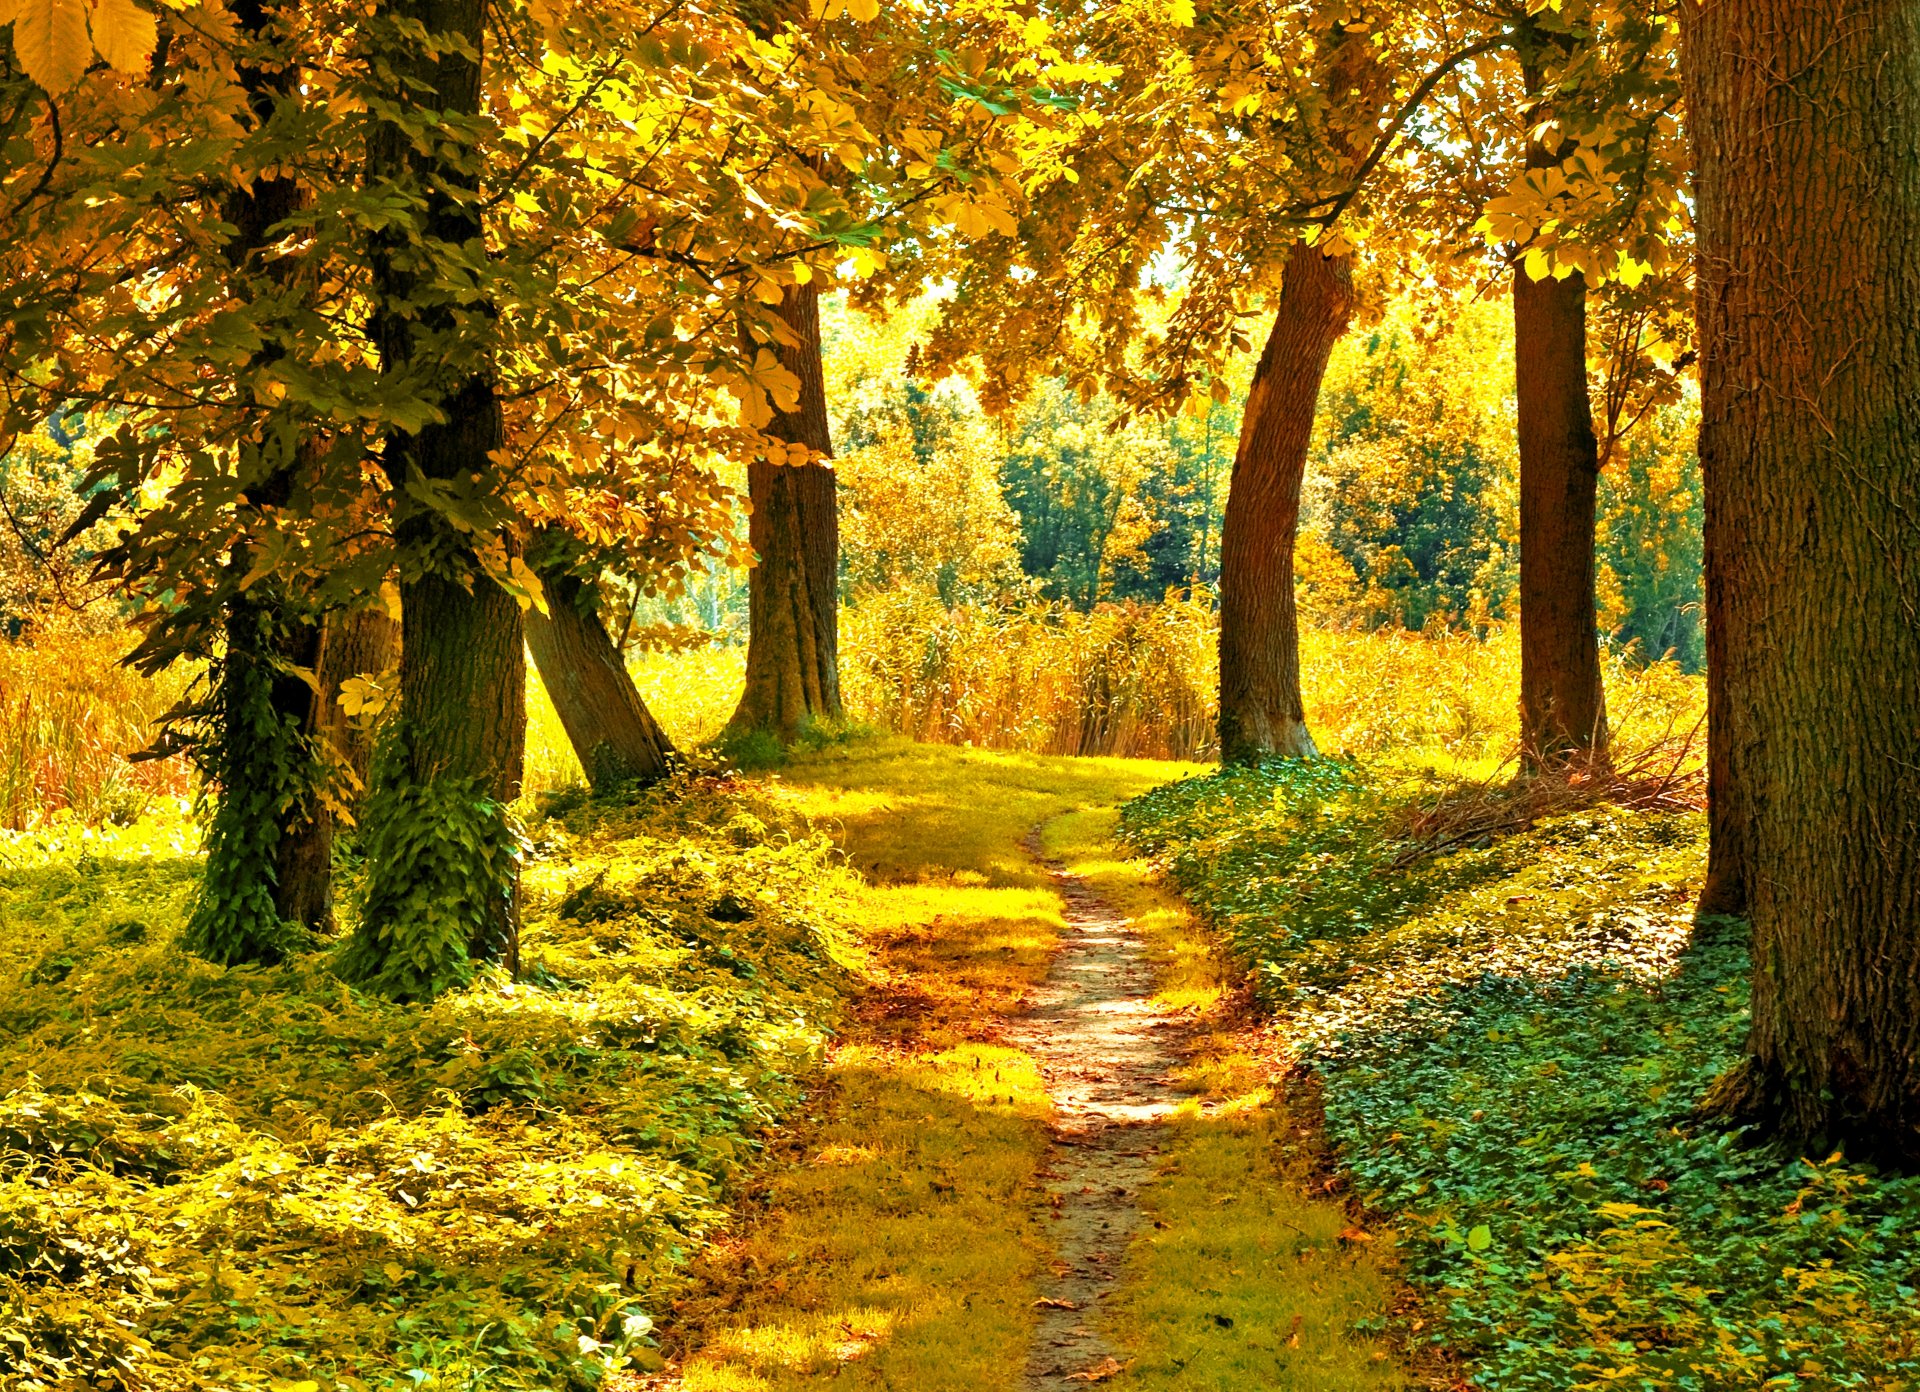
column 1512, row 1040
column 263, row 1177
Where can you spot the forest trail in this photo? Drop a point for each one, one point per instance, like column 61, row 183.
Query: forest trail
column 1045, row 1156
column 1105, row 1055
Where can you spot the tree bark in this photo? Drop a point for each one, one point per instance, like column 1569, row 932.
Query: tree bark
column 793, row 591
column 358, row 643
column 611, row 729
column 1808, row 218
column 1563, row 710
column 462, row 722
column 1261, row 711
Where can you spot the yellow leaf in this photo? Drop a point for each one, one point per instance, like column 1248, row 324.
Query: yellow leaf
column 50, row 39
column 1180, row 12
column 530, row 592
column 866, row 11
column 124, row 35
column 1538, row 264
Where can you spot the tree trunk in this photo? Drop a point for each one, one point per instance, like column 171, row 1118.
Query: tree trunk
column 608, row 723
column 1562, row 700
column 358, row 643
column 793, row 658
column 270, row 845
column 1261, row 713
column 443, row 876
column 1808, row 211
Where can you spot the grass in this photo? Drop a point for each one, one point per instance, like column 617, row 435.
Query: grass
column 1511, row 1040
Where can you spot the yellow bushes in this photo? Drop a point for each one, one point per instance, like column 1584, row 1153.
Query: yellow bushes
column 1141, row 680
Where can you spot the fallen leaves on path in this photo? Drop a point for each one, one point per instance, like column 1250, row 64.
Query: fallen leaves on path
column 1099, row 1372
column 1048, row 1302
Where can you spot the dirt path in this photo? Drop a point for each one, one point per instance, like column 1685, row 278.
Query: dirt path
column 1107, row 1056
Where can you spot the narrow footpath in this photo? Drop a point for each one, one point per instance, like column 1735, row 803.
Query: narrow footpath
column 1046, row 1154
column 1104, row 1053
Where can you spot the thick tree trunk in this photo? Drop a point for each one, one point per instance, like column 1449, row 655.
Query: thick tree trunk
column 1562, row 701
column 1261, row 712
column 793, row 658
column 608, row 723
column 1808, row 188
column 443, row 879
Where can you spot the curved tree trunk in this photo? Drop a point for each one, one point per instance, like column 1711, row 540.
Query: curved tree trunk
column 1261, row 712
column 611, row 729
column 793, row 657
column 1563, row 709
column 1808, row 212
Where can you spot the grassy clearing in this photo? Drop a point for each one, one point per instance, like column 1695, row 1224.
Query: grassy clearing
column 263, row 1178
column 1241, row 1279
column 1511, row 1041
column 902, row 1250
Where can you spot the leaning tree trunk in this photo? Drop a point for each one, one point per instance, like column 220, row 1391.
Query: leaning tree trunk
column 1563, row 711
column 793, row 658
column 1261, row 712
column 1808, row 216
column 443, row 876
column 611, row 729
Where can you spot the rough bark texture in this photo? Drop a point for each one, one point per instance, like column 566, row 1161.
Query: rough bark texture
column 1261, row 713
column 793, row 658
column 608, row 723
column 463, row 664
column 1808, row 186
column 358, row 643
column 1562, row 702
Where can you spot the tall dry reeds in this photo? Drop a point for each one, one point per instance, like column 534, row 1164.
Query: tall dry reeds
column 1129, row 679
column 70, row 718
column 1141, row 680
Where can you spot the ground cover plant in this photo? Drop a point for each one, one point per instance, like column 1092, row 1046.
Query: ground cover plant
column 265, row 1177
column 1512, row 1040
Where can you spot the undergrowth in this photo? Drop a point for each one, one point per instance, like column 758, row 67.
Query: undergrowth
column 1512, row 1039
column 263, row 1177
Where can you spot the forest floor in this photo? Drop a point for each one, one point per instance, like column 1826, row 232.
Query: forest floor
column 1045, row 1155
